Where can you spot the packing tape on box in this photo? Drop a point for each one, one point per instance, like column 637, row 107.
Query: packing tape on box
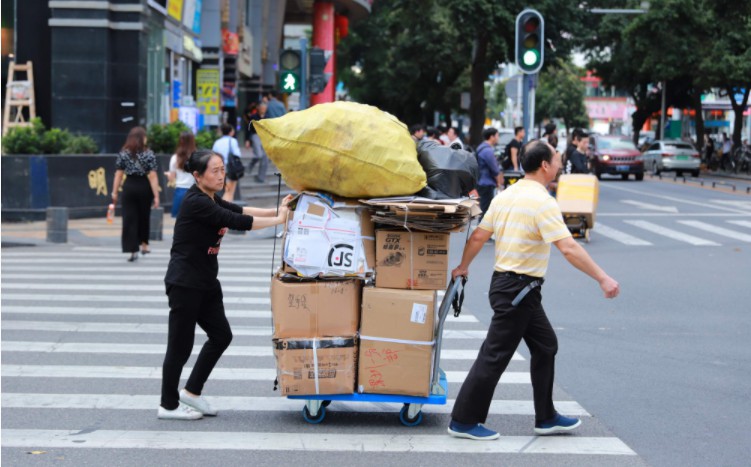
column 315, row 364
column 396, row 341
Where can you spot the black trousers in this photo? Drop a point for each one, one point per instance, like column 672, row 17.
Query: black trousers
column 486, row 197
column 189, row 307
column 137, row 198
column 508, row 327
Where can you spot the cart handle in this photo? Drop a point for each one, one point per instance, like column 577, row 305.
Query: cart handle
column 452, row 299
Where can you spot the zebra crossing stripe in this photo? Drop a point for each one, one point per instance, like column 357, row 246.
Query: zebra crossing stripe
column 224, row 374
column 120, row 278
column 135, row 270
column 619, row 236
column 159, row 349
column 670, row 233
column 255, row 404
column 715, row 229
column 241, row 313
column 35, row 259
column 741, row 223
column 161, row 299
column 306, row 442
column 161, row 328
column 125, row 287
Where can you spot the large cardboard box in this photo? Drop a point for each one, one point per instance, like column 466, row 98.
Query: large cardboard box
column 397, row 338
column 308, row 309
column 329, row 238
column 577, row 195
column 316, row 366
column 411, row 260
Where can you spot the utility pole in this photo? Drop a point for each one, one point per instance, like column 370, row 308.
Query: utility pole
column 662, row 111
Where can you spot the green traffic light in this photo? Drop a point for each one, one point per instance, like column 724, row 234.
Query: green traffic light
column 530, row 58
column 289, row 82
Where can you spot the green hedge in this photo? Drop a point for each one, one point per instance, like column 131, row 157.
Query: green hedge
column 163, row 138
column 36, row 139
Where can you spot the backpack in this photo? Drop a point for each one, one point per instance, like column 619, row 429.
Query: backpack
column 506, row 157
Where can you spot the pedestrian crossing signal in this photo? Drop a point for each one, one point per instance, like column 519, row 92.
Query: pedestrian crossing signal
column 530, row 41
column 290, row 69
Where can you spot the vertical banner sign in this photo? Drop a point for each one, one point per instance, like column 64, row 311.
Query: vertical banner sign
column 207, row 88
column 197, row 17
column 189, row 13
column 175, row 9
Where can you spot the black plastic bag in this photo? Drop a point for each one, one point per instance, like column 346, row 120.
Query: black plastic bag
column 452, row 173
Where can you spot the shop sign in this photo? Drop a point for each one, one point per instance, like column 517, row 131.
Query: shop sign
column 175, row 9
column 207, row 88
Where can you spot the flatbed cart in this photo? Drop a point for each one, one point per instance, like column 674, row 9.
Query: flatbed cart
column 577, row 195
column 314, row 410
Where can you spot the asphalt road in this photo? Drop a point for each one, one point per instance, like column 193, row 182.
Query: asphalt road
column 665, row 365
column 655, row 374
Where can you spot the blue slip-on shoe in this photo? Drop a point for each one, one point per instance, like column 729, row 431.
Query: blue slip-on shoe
column 469, row 431
column 557, row 424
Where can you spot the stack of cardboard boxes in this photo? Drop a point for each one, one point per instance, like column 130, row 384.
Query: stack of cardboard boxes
column 334, row 336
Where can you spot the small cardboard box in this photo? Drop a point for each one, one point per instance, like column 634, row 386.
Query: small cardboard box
column 307, row 309
column 316, row 366
column 396, row 341
column 411, row 260
column 329, row 238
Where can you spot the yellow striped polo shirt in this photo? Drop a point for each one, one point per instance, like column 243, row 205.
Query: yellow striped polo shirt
column 525, row 220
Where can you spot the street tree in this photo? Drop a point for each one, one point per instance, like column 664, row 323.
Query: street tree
column 560, row 94
column 727, row 63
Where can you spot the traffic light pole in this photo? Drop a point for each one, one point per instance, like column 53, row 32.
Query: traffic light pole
column 303, row 73
column 528, row 105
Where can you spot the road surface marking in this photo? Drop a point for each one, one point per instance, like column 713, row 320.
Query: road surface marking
column 330, row 442
column 619, row 236
column 124, row 287
column 672, row 234
column 159, row 349
column 97, row 311
column 653, row 207
column 161, row 328
column 718, row 230
column 734, row 203
column 118, row 298
column 611, row 186
column 224, row 374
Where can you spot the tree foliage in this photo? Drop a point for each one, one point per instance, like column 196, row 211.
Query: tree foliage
column 416, row 57
column 560, row 94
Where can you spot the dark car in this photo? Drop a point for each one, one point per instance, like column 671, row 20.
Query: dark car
column 615, row 156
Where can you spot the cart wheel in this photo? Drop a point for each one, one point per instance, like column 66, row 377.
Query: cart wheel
column 325, row 403
column 404, row 417
column 314, row 420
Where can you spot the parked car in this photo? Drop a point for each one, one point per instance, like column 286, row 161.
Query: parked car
column 615, row 156
column 672, row 155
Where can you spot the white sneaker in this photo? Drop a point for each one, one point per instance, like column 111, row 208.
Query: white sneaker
column 198, row 403
column 182, row 412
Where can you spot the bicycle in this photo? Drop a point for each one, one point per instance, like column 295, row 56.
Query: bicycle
column 742, row 159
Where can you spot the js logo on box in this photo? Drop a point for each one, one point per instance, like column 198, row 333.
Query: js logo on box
column 341, row 255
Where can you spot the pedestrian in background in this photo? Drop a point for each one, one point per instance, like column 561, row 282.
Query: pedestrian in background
column 276, row 108
column 137, row 164
column 417, row 131
column 259, row 154
column 525, row 220
column 194, row 293
column 513, row 150
column 177, row 175
column 444, row 135
column 455, row 142
column 725, row 161
column 434, row 135
column 575, row 137
column 708, row 148
column 576, row 163
column 227, row 147
column 250, row 111
column 491, row 177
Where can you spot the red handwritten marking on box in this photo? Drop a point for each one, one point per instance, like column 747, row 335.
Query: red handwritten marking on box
column 379, row 359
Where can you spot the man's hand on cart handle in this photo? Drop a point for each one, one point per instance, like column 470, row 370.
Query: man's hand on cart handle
column 459, row 271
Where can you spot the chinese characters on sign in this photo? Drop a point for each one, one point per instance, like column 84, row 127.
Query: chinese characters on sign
column 207, row 88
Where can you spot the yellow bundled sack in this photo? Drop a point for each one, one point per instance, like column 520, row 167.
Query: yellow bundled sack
column 348, row 149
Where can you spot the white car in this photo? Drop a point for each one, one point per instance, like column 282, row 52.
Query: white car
column 672, row 155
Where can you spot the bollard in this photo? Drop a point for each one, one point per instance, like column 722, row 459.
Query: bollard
column 156, row 223
column 57, row 225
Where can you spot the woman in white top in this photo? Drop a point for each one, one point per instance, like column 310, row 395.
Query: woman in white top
column 181, row 179
column 227, row 146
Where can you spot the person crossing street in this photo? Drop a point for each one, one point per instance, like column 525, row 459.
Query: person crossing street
column 525, row 220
